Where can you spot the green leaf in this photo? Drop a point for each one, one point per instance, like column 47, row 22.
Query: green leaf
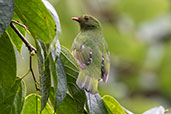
column 54, row 15
column 52, row 58
column 62, row 85
column 68, row 106
column 45, row 79
column 13, row 36
column 19, row 98
column 95, row 104
column 6, row 13
column 112, row 106
column 52, row 97
column 58, row 74
column 6, row 102
column 32, row 105
column 55, row 43
column 7, row 61
column 71, row 70
column 37, row 18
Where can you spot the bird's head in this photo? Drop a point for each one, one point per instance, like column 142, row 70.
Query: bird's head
column 88, row 22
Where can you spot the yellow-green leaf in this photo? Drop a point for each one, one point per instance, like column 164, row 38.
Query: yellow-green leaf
column 112, row 106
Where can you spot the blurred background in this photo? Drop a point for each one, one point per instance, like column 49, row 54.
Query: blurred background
column 138, row 33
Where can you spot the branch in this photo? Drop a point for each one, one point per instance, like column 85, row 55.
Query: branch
column 31, row 48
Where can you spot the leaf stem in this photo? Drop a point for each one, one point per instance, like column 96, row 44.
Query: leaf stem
column 31, row 48
column 25, row 74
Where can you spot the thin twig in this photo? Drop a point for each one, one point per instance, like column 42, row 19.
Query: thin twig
column 34, row 78
column 31, row 48
column 13, row 21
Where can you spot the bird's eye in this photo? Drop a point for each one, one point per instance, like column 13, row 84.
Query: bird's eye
column 86, row 18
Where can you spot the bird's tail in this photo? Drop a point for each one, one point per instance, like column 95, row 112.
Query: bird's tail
column 89, row 83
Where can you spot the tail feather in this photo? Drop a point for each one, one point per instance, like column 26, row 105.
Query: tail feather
column 89, row 83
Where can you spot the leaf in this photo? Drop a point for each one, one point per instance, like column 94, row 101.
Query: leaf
column 68, row 106
column 112, row 106
column 95, row 104
column 54, row 15
column 52, row 97
column 52, row 58
column 7, row 61
column 6, row 103
column 37, row 18
column 6, row 13
column 32, row 102
column 55, row 42
column 45, row 79
column 156, row 110
column 62, row 86
column 58, row 74
column 13, row 36
column 19, row 98
column 71, row 70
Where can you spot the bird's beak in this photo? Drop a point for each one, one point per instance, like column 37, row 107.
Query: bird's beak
column 76, row 19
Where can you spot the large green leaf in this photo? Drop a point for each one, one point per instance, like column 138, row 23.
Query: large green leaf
column 55, row 43
column 54, row 75
column 19, row 98
column 53, row 56
column 6, row 102
column 54, row 15
column 62, row 85
column 6, row 13
column 59, row 77
column 45, row 79
column 68, row 106
column 32, row 105
column 37, row 18
column 112, row 106
column 7, row 62
column 71, row 70
column 13, row 36
column 95, row 104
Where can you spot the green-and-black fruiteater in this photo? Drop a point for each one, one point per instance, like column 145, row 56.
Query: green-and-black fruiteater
column 91, row 52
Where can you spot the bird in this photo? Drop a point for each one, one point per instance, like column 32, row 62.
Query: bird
column 91, row 53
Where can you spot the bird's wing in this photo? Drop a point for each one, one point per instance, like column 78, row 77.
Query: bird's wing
column 105, row 65
column 82, row 54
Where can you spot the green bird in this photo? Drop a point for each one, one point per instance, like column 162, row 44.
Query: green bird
column 91, row 52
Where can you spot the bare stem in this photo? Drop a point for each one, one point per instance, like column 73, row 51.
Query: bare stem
column 16, row 22
column 31, row 48
column 34, row 78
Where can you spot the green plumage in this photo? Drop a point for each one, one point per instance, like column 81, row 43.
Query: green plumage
column 91, row 53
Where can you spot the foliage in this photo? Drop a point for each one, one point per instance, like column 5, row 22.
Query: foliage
column 58, row 69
